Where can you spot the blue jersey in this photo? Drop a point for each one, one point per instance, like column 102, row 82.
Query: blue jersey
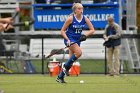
column 74, row 30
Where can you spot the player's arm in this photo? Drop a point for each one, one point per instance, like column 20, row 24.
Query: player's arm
column 65, row 26
column 3, row 27
column 90, row 26
column 6, row 20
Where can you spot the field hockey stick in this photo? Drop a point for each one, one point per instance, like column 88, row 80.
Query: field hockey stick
column 82, row 38
column 17, row 11
column 25, row 23
column 61, row 49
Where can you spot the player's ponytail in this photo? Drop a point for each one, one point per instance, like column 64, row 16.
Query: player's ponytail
column 74, row 6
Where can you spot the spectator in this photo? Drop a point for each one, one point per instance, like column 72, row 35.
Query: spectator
column 4, row 22
column 112, row 36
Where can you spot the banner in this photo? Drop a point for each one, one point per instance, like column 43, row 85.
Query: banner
column 52, row 18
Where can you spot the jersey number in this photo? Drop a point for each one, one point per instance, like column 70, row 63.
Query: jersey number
column 78, row 31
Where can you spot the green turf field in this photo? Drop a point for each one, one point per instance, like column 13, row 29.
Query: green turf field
column 92, row 84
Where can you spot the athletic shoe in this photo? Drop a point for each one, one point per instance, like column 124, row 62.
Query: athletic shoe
column 65, row 70
column 60, row 80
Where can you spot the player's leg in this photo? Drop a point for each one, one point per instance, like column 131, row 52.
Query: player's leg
column 70, row 53
column 76, row 53
column 66, row 71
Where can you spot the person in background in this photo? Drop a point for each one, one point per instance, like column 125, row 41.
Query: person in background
column 112, row 36
column 4, row 22
column 3, row 27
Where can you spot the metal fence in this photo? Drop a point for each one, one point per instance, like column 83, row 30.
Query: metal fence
column 23, row 62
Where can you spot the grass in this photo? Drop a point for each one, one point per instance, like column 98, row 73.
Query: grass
column 46, row 84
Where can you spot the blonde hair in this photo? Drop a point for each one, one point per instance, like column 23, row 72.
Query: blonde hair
column 76, row 5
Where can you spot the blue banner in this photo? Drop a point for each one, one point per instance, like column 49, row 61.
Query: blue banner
column 50, row 18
